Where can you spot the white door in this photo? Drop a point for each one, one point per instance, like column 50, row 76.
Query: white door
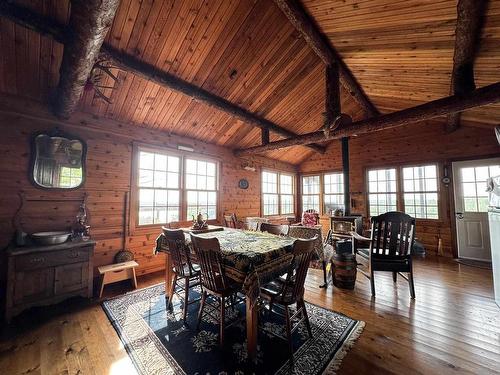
column 471, row 206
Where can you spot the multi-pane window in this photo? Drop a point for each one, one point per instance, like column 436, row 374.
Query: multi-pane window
column 277, row 193
column 473, row 181
column 420, row 187
column 286, row 194
column 333, row 192
column 172, row 187
column 201, row 186
column 70, row 177
column 382, row 191
column 159, row 188
column 311, row 193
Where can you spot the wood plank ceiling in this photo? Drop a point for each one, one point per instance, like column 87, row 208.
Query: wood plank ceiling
column 247, row 52
column 401, row 52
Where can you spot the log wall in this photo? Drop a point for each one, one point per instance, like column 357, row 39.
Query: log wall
column 108, row 178
column 414, row 144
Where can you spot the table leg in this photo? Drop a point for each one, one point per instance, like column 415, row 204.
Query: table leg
column 169, row 275
column 251, row 329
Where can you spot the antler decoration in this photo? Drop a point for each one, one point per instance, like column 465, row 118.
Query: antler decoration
column 96, row 77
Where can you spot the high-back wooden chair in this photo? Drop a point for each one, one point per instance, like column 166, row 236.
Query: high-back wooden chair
column 390, row 244
column 183, row 268
column 291, row 290
column 231, row 221
column 214, row 280
column 276, row 229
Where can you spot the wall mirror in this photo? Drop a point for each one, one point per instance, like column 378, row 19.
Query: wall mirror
column 57, row 160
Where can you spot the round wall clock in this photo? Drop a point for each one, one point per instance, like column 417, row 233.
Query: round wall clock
column 243, row 183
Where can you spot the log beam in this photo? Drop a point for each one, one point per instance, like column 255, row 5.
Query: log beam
column 441, row 107
column 321, row 45
column 27, row 18
column 89, row 23
column 470, row 18
column 150, row 72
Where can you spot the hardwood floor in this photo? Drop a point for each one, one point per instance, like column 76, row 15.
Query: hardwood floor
column 452, row 327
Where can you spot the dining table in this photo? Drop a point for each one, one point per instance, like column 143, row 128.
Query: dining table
column 249, row 258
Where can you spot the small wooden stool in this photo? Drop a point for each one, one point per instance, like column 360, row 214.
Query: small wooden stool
column 117, row 272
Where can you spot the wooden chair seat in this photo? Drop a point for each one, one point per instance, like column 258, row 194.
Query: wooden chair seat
column 193, row 271
column 272, row 292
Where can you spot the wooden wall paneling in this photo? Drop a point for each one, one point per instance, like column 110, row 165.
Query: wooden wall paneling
column 406, row 147
column 108, row 177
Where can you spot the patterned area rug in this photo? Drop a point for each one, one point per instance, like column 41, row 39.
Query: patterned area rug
column 159, row 343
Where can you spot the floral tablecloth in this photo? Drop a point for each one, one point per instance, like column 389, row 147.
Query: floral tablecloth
column 249, row 257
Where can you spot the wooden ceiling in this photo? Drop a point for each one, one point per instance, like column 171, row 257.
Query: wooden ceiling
column 247, row 52
column 401, row 52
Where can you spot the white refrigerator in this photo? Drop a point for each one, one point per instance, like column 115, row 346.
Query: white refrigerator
column 494, row 221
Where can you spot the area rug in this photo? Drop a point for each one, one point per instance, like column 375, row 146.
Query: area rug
column 159, row 343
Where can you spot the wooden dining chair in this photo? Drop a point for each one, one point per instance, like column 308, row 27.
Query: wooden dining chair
column 274, row 228
column 290, row 291
column 214, row 281
column 231, row 221
column 390, row 243
column 182, row 267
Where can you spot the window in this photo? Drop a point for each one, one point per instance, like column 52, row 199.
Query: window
column 201, row 188
column 277, row 193
column 286, row 194
column 333, row 192
column 473, row 182
column 420, row 187
column 159, row 188
column 70, row 177
column 170, row 187
column 382, row 191
column 310, row 193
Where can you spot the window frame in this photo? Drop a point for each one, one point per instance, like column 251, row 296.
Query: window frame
column 441, row 204
column 294, row 190
column 133, row 214
column 321, row 193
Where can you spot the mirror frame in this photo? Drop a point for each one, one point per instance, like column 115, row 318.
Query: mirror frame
column 55, row 132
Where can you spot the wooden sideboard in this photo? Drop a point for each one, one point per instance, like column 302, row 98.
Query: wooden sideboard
column 45, row 275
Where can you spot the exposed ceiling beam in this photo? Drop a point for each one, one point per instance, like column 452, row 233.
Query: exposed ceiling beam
column 147, row 71
column 451, row 104
column 89, row 23
column 322, row 46
column 470, row 19
column 152, row 73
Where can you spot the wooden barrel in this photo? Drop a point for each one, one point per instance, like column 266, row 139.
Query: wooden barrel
column 344, row 270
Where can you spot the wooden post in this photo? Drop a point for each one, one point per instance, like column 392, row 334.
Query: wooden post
column 345, row 173
column 265, row 136
column 89, row 23
column 322, row 46
column 451, row 104
column 470, row 19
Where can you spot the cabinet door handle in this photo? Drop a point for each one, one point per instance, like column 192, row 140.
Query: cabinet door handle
column 73, row 254
column 37, row 260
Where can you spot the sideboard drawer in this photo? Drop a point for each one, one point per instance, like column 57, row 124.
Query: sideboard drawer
column 51, row 259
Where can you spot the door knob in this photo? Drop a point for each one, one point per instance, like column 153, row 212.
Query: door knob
column 459, row 215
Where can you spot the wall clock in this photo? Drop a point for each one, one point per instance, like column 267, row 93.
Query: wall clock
column 243, row 183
